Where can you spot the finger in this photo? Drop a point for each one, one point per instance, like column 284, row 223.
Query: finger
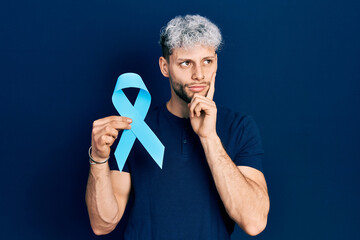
column 120, row 125
column 211, row 91
column 116, row 125
column 198, row 105
column 110, row 131
column 106, row 140
column 198, row 109
column 196, row 99
column 193, row 98
column 105, row 120
column 198, row 96
column 201, row 106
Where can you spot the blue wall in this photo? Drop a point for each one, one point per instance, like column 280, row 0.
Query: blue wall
column 293, row 65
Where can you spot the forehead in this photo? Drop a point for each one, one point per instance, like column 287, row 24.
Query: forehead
column 196, row 52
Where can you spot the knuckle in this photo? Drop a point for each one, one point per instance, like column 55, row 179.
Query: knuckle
column 113, row 123
column 101, row 148
column 107, row 129
column 94, row 131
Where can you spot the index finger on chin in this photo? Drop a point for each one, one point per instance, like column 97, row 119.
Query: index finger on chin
column 211, row 91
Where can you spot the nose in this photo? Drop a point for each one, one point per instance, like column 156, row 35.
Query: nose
column 198, row 73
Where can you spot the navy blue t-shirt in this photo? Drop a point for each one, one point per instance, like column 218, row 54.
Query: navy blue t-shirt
column 180, row 201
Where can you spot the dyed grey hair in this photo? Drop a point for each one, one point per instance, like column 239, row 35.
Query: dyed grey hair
column 188, row 31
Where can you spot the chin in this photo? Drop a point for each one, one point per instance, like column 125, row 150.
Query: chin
column 202, row 93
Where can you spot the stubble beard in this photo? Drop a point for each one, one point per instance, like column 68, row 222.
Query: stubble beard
column 180, row 91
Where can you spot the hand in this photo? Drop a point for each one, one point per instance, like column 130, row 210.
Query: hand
column 202, row 111
column 104, row 133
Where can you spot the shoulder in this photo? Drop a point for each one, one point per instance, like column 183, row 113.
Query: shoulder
column 154, row 115
column 233, row 120
column 241, row 138
column 153, row 112
column 235, row 127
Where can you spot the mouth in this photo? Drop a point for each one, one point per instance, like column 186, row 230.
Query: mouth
column 197, row 88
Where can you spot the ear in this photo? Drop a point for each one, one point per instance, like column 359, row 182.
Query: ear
column 164, row 67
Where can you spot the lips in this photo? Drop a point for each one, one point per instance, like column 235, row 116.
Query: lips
column 197, row 88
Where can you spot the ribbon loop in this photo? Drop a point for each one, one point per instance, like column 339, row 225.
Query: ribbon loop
column 137, row 112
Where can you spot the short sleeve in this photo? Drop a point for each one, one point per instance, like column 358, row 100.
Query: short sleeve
column 249, row 149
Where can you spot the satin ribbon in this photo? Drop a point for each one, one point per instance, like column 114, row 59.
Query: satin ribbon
column 137, row 112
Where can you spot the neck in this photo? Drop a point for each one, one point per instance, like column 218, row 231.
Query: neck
column 178, row 107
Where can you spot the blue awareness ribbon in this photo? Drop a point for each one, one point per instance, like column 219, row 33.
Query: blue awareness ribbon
column 137, row 112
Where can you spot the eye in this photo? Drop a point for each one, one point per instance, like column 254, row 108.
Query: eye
column 208, row 61
column 185, row 64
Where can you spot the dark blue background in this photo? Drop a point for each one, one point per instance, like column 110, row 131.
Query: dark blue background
column 293, row 65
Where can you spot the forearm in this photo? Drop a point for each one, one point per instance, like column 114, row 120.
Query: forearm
column 102, row 206
column 246, row 202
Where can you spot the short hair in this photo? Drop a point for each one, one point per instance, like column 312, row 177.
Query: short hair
column 187, row 32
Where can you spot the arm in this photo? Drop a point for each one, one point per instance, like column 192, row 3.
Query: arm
column 107, row 192
column 242, row 189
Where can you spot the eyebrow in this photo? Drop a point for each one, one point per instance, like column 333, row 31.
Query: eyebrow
column 188, row 59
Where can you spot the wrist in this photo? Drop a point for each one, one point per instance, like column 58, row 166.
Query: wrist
column 95, row 160
column 211, row 138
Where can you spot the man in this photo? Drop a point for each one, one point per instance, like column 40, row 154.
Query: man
column 211, row 176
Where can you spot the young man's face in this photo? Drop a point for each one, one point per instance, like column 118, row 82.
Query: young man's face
column 190, row 71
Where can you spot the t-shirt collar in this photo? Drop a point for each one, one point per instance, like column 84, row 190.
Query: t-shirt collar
column 171, row 117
